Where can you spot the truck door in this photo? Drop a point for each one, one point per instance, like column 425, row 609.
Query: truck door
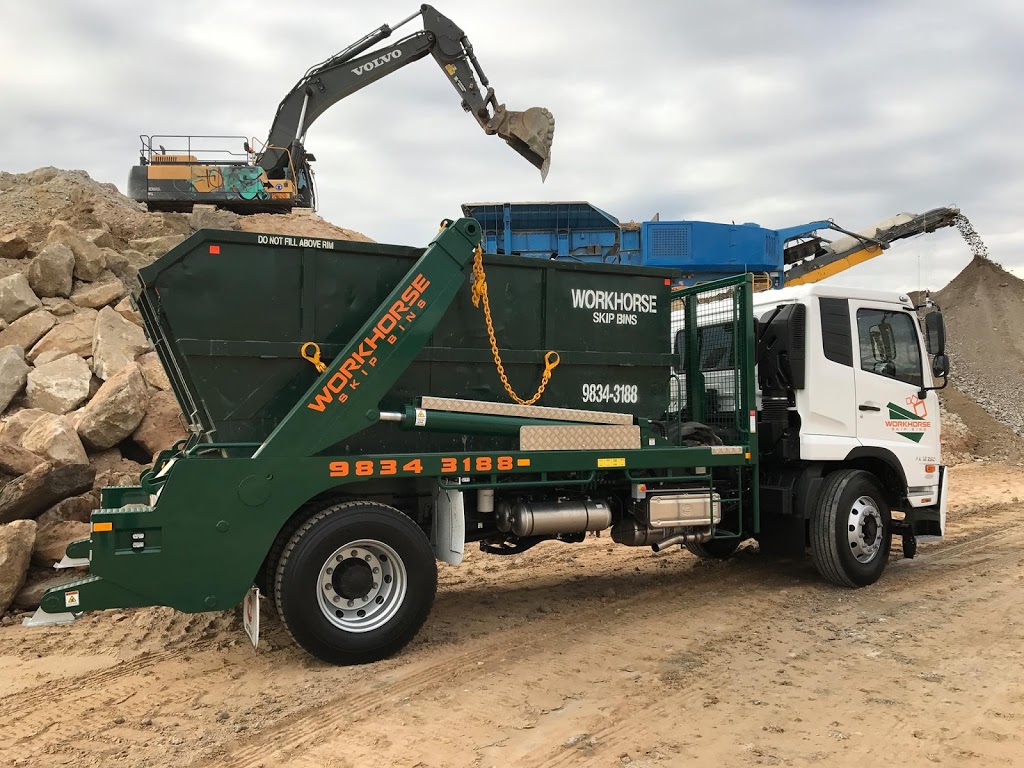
column 890, row 371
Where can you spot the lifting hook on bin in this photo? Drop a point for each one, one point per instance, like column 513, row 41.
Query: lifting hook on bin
column 313, row 357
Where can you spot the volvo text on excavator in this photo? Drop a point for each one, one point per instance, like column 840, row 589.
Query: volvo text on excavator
column 234, row 173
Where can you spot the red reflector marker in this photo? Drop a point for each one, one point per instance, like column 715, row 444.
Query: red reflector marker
column 215, row 249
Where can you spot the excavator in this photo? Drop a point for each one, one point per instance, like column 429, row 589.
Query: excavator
column 276, row 176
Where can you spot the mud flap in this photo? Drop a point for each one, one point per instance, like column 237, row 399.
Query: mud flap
column 943, row 504
column 43, row 619
column 448, row 530
column 251, row 615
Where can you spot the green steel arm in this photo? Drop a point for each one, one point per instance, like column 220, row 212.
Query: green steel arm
column 345, row 398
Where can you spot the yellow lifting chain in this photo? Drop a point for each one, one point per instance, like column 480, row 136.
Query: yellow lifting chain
column 551, row 359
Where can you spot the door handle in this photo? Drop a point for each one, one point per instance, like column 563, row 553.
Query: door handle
column 869, row 408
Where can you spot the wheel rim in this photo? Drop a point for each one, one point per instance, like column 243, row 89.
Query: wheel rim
column 362, row 585
column 864, row 529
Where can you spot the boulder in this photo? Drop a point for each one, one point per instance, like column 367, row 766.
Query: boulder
column 117, row 409
column 77, row 508
column 75, row 335
column 126, row 473
column 106, row 290
column 116, row 343
column 137, row 259
column 31, row 594
column 59, row 387
column 53, row 438
column 16, row 542
column 51, row 272
column 53, row 539
column 162, row 425
column 125, row 309
column 211, row 217
column 116, row 262
column 153, row 371
column 49, row 357
column 27, row 330
column 155, row 247
column 126, row 265
column 89, row 260
column 18, row 424
column 13, row 374
column 15, row 460
column 13, row 246
column 59, row 307
column 16, row 297
column 29, row 495
column 101, row 238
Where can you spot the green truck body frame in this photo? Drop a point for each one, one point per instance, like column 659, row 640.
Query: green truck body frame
column 196, row 531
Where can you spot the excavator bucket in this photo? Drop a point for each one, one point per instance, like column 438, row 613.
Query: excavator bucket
column 529, row 133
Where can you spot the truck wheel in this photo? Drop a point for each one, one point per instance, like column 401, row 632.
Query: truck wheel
column 850, row 529
column 715, row 549
column 355, row 582
column 265, row 576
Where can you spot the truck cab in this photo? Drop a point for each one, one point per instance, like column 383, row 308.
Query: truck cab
column 846, row 383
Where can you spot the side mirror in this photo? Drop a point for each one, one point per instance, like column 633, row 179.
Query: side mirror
column 940, row 367
column 935, row 333
column 245, row 146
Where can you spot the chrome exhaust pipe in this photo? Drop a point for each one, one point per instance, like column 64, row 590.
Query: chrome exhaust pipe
column 683, row 538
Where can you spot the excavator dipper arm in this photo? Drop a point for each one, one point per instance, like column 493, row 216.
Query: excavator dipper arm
column 529, row 133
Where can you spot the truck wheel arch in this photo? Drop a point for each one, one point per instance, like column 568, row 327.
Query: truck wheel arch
column 883, row 464
column 880, row 462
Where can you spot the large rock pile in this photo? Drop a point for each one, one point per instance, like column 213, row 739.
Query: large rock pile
column 84, row 400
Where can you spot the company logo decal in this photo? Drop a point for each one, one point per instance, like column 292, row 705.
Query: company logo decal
column 911, row 424
column 379, row 61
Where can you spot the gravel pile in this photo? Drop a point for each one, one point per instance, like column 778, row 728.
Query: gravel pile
column 984, row 311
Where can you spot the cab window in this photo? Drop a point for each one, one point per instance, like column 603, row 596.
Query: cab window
column 889, row 345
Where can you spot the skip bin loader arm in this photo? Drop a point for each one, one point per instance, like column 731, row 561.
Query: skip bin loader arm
column 529, row 133
column 819, row 262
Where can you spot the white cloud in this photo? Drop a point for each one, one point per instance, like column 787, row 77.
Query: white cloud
column 778, row 113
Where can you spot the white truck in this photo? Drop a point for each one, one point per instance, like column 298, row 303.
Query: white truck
column 847, row 420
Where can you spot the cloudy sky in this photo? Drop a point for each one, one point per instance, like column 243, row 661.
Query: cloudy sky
column 774, row 111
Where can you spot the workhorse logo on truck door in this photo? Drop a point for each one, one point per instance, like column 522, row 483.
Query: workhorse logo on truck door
column 907, row 424
column 389, row 327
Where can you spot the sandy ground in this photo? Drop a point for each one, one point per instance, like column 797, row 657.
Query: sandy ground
column 573, row 655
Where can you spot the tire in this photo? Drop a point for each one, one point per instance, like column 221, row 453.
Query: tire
column 355, row 583
column 265, row 576
column 715, row 549
column 851, row 529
